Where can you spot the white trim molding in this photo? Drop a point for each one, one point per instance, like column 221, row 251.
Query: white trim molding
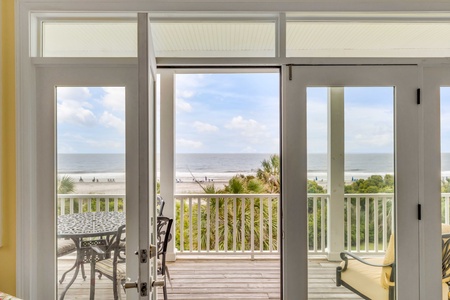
column 1, row 137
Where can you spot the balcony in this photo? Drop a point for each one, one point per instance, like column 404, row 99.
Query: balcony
column 249, row 233
column 251, row 224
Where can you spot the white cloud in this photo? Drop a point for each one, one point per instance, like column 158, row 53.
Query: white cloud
column 369, row 129
column 189, row 144
column 182, row 105
column 187, row 87
column 109, row 120
column 74, row 112
column 114, row 98
column 205, row 127
column 247, row 128
column 73, row 93
column 73, row 106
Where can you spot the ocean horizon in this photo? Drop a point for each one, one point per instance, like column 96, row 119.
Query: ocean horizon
column 225, row 165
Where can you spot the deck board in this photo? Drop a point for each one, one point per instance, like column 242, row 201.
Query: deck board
column 221, row 279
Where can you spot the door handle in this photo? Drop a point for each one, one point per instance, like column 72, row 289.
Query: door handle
column 142, row 290
column 130, row 285
column 160, row 282
column 153, row 251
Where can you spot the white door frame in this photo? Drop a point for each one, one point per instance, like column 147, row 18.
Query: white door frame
column 430, row 189
column 294, row 167
column 43, row 242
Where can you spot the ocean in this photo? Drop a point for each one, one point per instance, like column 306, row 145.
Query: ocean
column 223, row 166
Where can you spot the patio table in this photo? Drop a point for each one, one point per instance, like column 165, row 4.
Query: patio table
column 83, row 228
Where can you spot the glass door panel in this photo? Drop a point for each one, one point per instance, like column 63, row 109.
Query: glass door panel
column 434, row 185
column 357, row 134
column 350, row 179
column 87, row 184
column 91, row 199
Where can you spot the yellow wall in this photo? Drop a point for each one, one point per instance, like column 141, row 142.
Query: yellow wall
column 8, row 144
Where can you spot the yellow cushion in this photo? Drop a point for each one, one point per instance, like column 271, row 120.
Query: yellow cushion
column 445, row 228
column 445, row 293
column 106, row 267
column 65, row 247
column 365, row 279
column 389, row 258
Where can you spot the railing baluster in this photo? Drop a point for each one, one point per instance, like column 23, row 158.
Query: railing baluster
column 358, row 223
column 181, row 224
column 97, row 204
column 375, row 223
column 322, row 223
column 225, row 224
column 314, row 224
column 124, row 204
column 349, row 223
column 261, row 224
column 208, row 220
column 234, row 225
column 269, row 204
column 216, row 246
column 191, row 244
column 252, row 227
column 116, row 204
column 384, row 223
column 199, row 226
column 62, row 206
column 71, row 206
column 447, row 209
column 106, row 203
column 278, row 223
column 243, row 223
column 366, row 225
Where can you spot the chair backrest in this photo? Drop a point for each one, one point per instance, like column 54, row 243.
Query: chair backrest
column 159, row 206
column 446, row 257
column 163, row 235
column 117, row 245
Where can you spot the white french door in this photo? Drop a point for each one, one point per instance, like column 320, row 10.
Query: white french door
column 434, row 164
column 61, row 100
column 402, row 84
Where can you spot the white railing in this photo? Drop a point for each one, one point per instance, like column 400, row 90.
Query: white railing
column 317, row 222
column 227, row 223
column 79, row 203
column 368, row 221
column 445, row 208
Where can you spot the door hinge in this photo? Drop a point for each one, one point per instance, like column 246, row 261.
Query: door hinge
column 290, row 72
column 419, row 211
column 418, row 96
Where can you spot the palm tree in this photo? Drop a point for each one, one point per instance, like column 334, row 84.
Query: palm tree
column 269, row 173
column 65, row 185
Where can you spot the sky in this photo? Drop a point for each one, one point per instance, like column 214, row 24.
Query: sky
column 231, row 113
column 227, row 113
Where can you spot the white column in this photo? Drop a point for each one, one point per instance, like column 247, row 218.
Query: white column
column 336, row 159
column 167, row 151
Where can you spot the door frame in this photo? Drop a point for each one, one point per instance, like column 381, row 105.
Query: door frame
column 294, row 171
column 44, row 241
column 434, row 76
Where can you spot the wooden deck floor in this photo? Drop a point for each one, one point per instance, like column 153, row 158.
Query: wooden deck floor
column 222, row 279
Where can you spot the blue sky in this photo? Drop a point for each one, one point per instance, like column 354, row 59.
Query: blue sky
column 445, row 119
column 231, row 113
column 91, row 120
column 368, row 115
column 227, row 113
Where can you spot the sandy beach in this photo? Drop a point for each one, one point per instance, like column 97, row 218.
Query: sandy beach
column 114, row 188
